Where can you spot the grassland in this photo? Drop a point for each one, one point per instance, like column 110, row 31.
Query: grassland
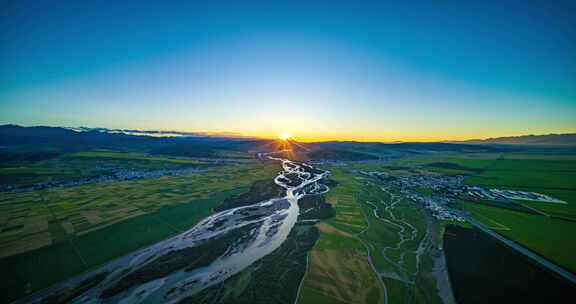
column 547, row 172
column 368, row 253
column 135, row 156
column 378, row 246
column 339, row 270
column 49, row 235
column 550, row 174
column 74, row 166
column 449, row 163
column 401, row 244
column 551, row 238
column 529, row 173
column 547, row 233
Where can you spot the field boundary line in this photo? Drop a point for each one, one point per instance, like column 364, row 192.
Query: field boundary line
column 297, row 299
column 506, row 228
column 71, row 242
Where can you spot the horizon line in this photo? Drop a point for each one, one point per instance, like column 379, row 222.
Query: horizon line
column 239, row 135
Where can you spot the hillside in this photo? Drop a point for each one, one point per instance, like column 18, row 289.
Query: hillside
column 543, row 140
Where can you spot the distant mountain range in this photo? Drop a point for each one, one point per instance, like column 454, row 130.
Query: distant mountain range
column 17, row 142
column 568, row 139
column 156, row 133
column 63, row 139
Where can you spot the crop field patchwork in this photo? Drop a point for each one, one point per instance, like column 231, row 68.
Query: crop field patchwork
column 374, row 245
column 73, row 166
column 76, row 226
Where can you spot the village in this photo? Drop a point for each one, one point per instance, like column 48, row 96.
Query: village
column 111, row 176
column 435, row 192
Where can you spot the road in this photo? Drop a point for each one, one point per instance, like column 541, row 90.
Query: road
column 526, row 252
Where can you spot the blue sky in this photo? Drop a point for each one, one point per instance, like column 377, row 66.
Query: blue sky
column 319, row 70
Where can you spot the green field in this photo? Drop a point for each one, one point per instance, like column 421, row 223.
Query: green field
column 134, row 156
column 366, row 253
column 362, row 232
column 339, row 270
column 528, row 173
column 548, row 237
column 549, row 173
column 74, row 166
column 546, row 172
column 397, row 227
column 77, row 228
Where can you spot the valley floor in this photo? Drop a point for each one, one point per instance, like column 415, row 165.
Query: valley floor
column 380, row 248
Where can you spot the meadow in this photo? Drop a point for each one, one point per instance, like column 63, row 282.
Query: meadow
column 543, row 171
column 360, row 257
column 339, row 270
column 550, row 238
column 402, row 247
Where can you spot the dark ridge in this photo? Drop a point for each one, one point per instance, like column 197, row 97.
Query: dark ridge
column 57, row 139
column 568, row 139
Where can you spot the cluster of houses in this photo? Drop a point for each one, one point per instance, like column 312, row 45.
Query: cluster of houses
column 454, row 186
column 507, row 195
column 376, row 174
column 437, row 206
column 430, row 181
column 114, row 175
column 451, row 187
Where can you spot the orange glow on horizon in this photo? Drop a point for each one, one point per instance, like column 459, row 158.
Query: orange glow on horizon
column 389, row 139
column 303, row 135
column 285, row 136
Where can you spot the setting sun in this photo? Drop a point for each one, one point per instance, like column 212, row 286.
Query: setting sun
column 284, row 136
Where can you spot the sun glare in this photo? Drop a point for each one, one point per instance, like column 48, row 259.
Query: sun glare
column 284, row 136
